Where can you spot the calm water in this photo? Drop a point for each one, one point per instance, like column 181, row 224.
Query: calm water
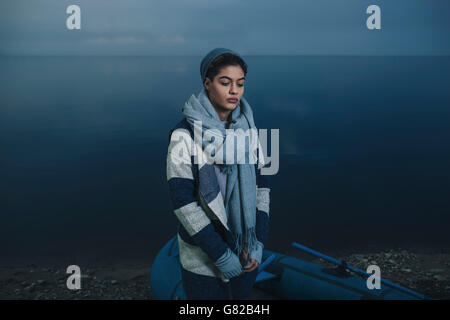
column 365, row 152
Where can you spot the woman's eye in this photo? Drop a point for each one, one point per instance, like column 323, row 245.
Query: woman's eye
column 227, row 83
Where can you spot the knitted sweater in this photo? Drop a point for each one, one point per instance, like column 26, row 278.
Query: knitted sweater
column 203, row 232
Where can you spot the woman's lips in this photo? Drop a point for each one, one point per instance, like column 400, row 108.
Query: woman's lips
column 232, row 100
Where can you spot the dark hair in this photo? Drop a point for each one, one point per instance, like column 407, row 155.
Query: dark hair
column 226, row 59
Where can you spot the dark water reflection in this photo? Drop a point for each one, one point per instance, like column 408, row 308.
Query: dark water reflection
column 364, row 142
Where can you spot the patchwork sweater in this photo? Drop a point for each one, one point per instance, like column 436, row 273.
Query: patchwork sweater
column 203, row 231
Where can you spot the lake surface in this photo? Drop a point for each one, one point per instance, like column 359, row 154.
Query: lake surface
column 364, row 152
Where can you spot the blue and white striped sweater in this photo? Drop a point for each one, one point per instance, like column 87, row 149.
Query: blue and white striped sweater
column 203, row 232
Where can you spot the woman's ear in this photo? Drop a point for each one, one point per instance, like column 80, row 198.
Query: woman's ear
column 207, row 83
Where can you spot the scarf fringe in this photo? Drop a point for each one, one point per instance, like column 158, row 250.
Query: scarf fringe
column 250, row 240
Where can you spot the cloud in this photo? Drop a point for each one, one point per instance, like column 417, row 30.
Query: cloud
column 250, row 27
column 119, row 40
column 172, row 39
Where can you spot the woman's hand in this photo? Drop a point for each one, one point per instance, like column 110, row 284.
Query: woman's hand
column 253, row 263
column 251, row 266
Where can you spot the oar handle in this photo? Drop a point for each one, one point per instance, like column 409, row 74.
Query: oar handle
column 266, row 263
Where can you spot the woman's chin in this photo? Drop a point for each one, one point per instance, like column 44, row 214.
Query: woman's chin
column 231, row 106
column 227, row 106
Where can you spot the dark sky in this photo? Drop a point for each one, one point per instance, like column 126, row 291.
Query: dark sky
column 193, row 27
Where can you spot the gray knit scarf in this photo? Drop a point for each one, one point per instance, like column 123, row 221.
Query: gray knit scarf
column 240, row 200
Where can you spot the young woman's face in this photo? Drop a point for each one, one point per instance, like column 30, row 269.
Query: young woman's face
column 227, row 88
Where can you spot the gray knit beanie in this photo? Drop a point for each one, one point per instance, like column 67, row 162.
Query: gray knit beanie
column 213, row 54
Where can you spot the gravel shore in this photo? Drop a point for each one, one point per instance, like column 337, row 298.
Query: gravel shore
column 424, row 273
column 97, row 283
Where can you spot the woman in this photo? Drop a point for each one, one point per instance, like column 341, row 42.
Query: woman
column 222, row 207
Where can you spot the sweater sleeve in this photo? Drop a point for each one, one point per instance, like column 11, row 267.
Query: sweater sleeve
column 183, row 196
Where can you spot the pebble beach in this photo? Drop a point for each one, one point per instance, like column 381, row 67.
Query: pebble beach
column 422, row 272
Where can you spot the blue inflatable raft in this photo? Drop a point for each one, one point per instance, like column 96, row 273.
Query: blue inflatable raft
column 283, row 277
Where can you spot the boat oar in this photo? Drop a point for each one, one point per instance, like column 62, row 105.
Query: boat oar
column 266, row 263
column 358, row 271
column 263, row 275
